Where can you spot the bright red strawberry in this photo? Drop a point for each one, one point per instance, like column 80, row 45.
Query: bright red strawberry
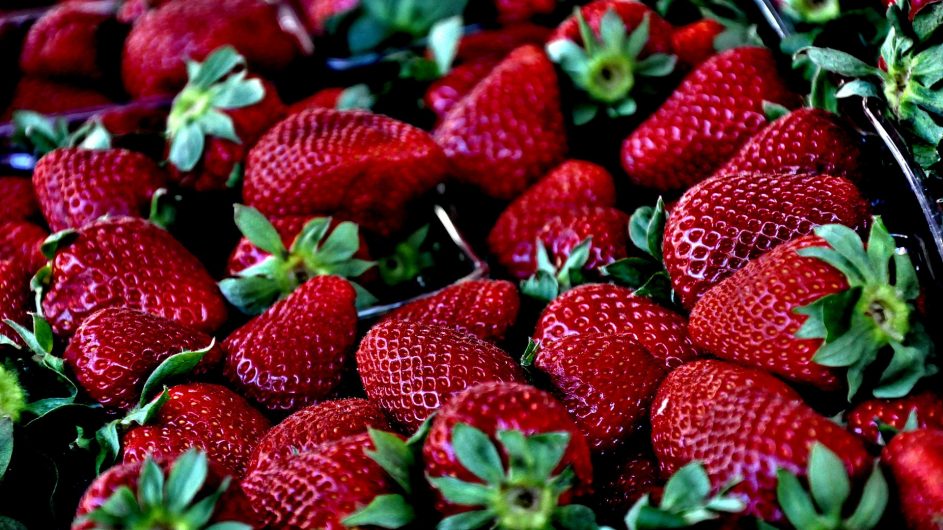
column 610, row 309
column 607, row 227
column 293, row 354
column 15, row 299
column 50, row 97
column 694, row 43
column 865, row 418
column 115, row 350
column 742, row 423
column 66, row 42
column 443, row 94
column 722, row 223
column 20, row 198
column 520, row 10
column 804, row 141
column 409, row 369
column 132, row 263
column 201, row 415
column 770, row 314
column 21, row 240
column 484, row 308
column 606, row 383
column 915, row 459
column 717, row 108
column 508, row 131
column 360, row 166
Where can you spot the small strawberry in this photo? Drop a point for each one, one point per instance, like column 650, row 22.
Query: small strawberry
column 21, row 204
column 869, row 418
column 66, row 41
column 605, row 227
column 915, row 459
column 51, row 97
column 22, row 240
column 694, row 43
column 293, row 354
column 353, row 97
column 817, row 305
column 409, row 369
column 520, row 10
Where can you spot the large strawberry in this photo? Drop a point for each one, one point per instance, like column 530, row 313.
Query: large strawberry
column 410, row 369
column 21, row 204
column 722, row 223
column 22, row 240
column 915, row 459
column 605, row 227
column 360, row 166
column 717, row 108
column 293, row 354
column 446, row 92
column 66, row 41
column 869, row 418
column 133, row 263
column 819, row 306
column 508, row 131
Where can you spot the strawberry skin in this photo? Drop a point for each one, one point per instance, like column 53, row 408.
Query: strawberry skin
column 20, row 199
column 610, row 309
column 520, row 10
column 21, row 240
column 76, row 186
column 497, row 43
column 743, row 423
column 722, row 223
column 293, row 354
column 409, row 369
column 133, row 263
column 715, row 110
column 621, row 481
column 14, row 296
column 444, row 93
column 694, row 43
column 64, row 41
column 202, row 415
column 508, row 131
column 606, row 226
column 632, row 14
column 927, row 405
column 326, row 98
column 50, row 97
column 916, row 461
column 312, row 426
column 115, row 350
column 484, row 308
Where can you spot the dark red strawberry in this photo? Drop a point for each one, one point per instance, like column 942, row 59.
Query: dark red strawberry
column 21, row 240
column 131, row 10
column 694, row 43
column 15, row 300
column 360, row 166
column 610, row 309
column 717, row 108
column 20, row 199
column 508, row 131
column 722, row 223
column 131, row 263
column 915, row 460
column 409, row 369
column 867, row 418
column 65, row 41
column 50, row 97
column 497, row 43
column 443, row 94
column 353, row 97
column 621, row 481
column 606, row 227
column 520, row 10
column 293, row 354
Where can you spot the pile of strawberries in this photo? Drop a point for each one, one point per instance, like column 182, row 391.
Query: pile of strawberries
column 697, row 313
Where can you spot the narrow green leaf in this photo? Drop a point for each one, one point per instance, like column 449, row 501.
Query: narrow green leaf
column 187, row 476
column 216, row 65
column 238, row 92
column 150, row 485
column 839, row 62
column 258, row 230
column 541, row 286
column 464, row 493
column 58, row 241
column 385, row 511
column 356, row 97
column 394, row 456
column 6, row 444
column 443, row 42
column 687, row 488
column 794, row 501
column 547, row 450
column 251, row 296
column 881, row 248
column 848, row 244
column 638, row 38
column 873, row 502
column 174, row 366
column 828, row 480
column 476, row 453
column 575, row 517
column 342, row 243
column 186, row 147
column 215, row 123
column 466, row 521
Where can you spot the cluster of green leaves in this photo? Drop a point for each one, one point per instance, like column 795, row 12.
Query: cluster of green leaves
column 550, row 280
column 41, row 134
column 685, row 501
column 645, row 274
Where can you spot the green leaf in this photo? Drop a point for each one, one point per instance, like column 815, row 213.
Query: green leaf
column 647, row 228
column 541, row 286
column 215, row 123
column 259, row 231
column 58, row 241
column 849, row 348
column 39, row 133
column 476, row 453
column 827, row 315
column 385, row 511
column 6, row 444
column 108, row 445
column 928, row 21
column 848, row 244
column 794, row 501
column 773, row 111
column 909, row 364
column 356, row 97
column 858, row 87
column 873, row 502
column 150, row 485
column 686, row 488
column 186, row 147
column 547, row 450
column 443, row 42
column 584, row 113
column 365, row 34
column 828, row 480
column 530, row 353
column 575, row 517
column 187, row 476
column 839, row 62
column 237, row 92
column 10, row 524
column 464, row 493
column 881, row 248
column 393, row 455
column 252, row 295
column 218, row 64
column 638, row 38
column 163, row 211
column 341, row 245
column 657, row 65
column 466, row 521
column 174, row 366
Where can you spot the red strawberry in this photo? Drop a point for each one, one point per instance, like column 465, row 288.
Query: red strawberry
column 15, row 299
column 132, row 263
column 312, row 426
column 622, row 481
column 497, row 43
column 804, row 141
column 484, row 308
column 770, row 313
column 606, row 383
column 115, row 350
column 864, row 419
column 409, row 369
column 20, row 199
column 353, row 97
column 318, row 12
column 694, row 43
column 916, row 461
column 609, row 309
column 722, row 223
column 508, row 131
column 607, row 227
column 446, row 92
column 520, row 10
column 50, row 97
column 293, row 354
column 359, row 165
column 131, row 10
column 76, row 186
column 201, row 415
column 742, row 423
column 65, row 41
column 21, row 240
column 717, row 108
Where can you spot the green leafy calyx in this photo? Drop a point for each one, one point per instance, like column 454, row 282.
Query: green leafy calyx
column 408, row 259
column 645, row 274
column 42, row 134
column 812, row 11
column 550, row 279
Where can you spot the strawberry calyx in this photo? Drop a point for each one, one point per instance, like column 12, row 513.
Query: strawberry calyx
column 812, row 11
column 42, row 134
column 408, row 260
column 379, row 21
column 887, row 431
column 550, row 280
column 12, row 395
column 645, row 274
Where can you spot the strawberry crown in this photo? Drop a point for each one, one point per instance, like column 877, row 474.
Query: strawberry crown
column 408, row 259
column 873, row 313
column 43, row 134
column 685, row 501
column 379, row 20
column 812, row 11
column 549, row 280
column 646, row 274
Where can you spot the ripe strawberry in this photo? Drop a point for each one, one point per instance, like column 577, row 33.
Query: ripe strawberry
column 409, row 369
column 131, row 263
column 21, row 240
column 804, row 141
column 317, row 13
column 115, row 350
column 65, row 41
column 446, row 92
column 508, row 131
column 610, row 309
column 312, row 426
column 771, row 313
column 606, row 227
column 742, row 423
column 20, row 198
column 360, row 166
column 293, row 354
column 606, row 383
column 208, row 417
column 694, row 43
column 484, row 308
column 722, row 223
column 14, row 296
column 717, row 108
column 131, row 10
column 50, row 97
column 497, row 43
column 866, row 418
column 75, row 186
column 520, row 10
column 621, row 481
column 916, row 461
column 353, row 97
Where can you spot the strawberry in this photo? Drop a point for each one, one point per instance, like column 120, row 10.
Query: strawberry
column 14, row 297
column 21, row 240
column 355, row 164
column 694, row 43
column 869, row 418
column 293, row 354
column 772, row 312
column 446, row 92
column 620, row 482
column 318, row 13
column 803, row 141
column 508, row 131
column 21, row 203
column 50, row 97
column 115, row 350
column 209, row 417
column 353, row 97
column 497, row 43
column 723, row 222
column 714, row 111
column 312, row 426
column 524, row 466
column 484, row 308
column 75, row 186
column 915, row 459
column 66, row 42
column 520, row 10
column 606, row 382
column 610, row 309
column 132, row 263
column 131, row 10
column 409, row 369
column 604, row 226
